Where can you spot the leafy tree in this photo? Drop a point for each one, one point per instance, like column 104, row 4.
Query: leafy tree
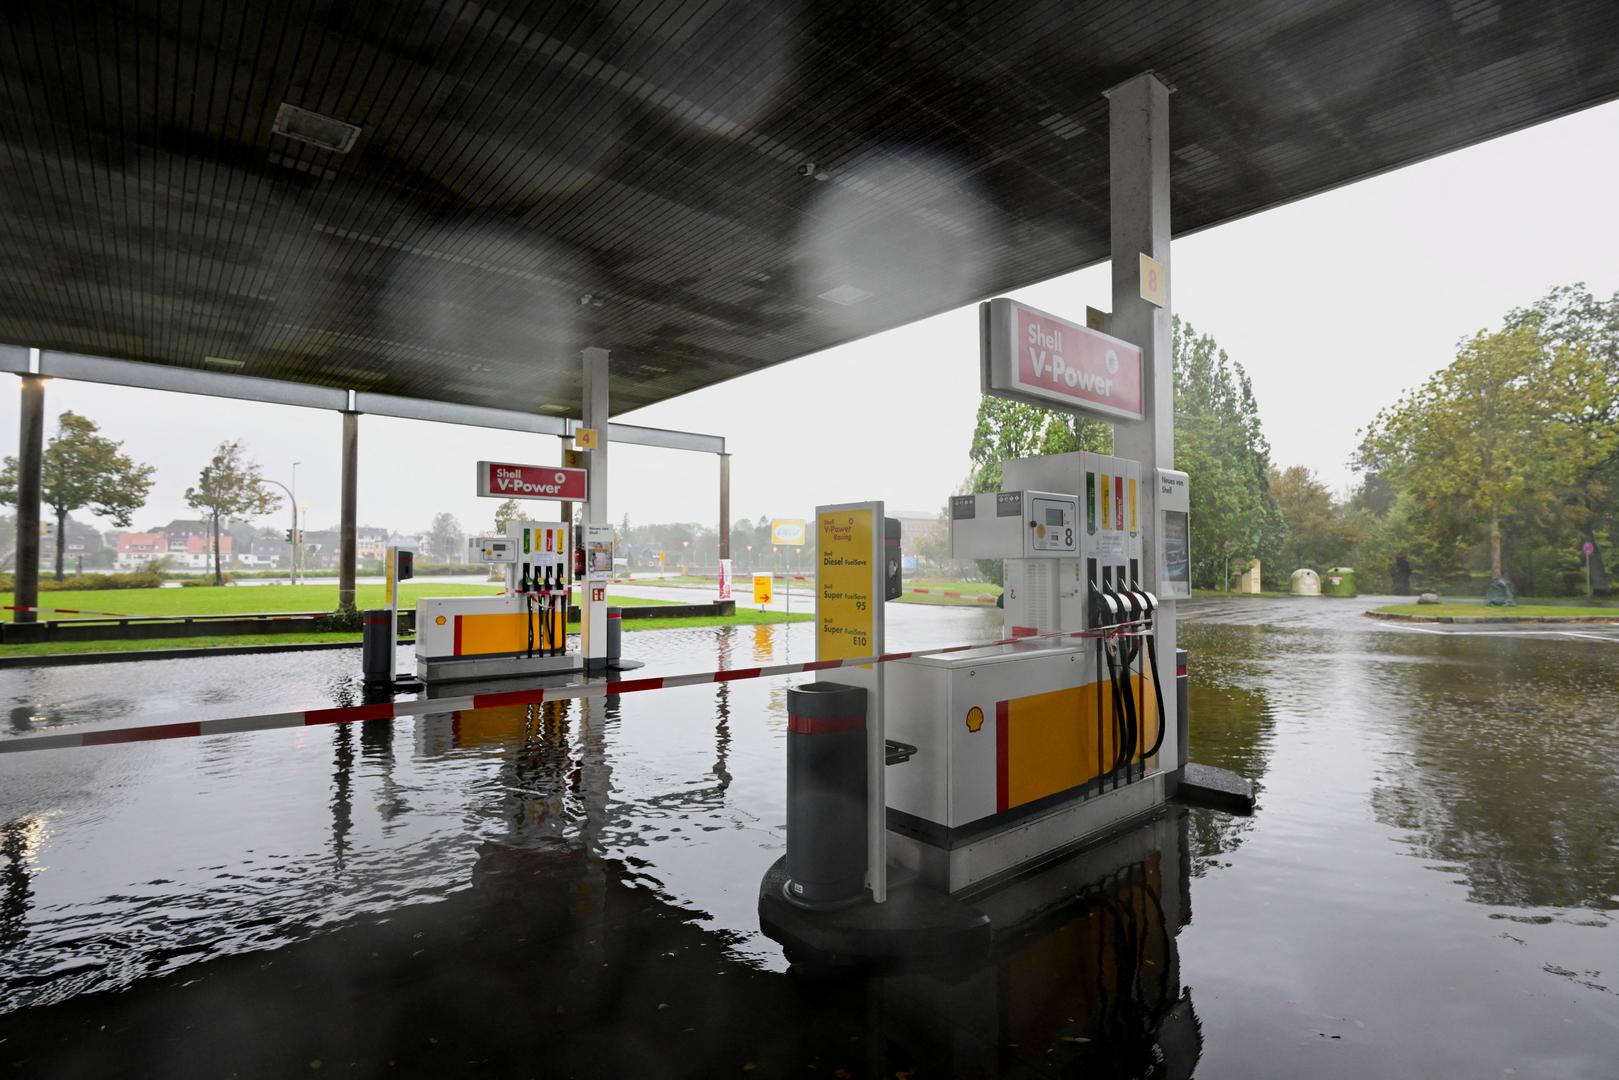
column 444, row 539
column 1221, row 446
column 230, row 486
column 1319, row 532
column 83, row 469
column 1219, row 443
column 1491, row 439
column 1570, row 317
column 506, row 513
column 1008, row 429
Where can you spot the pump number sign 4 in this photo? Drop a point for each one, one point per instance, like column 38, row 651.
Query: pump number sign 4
column 1031, row 356
column 506, row 481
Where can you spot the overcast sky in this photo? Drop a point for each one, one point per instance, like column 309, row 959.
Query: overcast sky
column 1334, row 305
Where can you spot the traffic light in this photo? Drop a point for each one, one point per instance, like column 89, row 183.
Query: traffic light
column 288, row 535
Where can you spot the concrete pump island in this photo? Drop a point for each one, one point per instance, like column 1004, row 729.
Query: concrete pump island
column 1090, row 825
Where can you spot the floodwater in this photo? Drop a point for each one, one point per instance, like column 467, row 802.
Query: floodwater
column 1428, row 888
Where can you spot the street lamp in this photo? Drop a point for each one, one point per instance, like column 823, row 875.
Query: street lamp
column 1228, row 546
column 292, row 560
column 750, row 556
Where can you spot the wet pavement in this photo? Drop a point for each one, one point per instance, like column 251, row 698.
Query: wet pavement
column 1429, row 886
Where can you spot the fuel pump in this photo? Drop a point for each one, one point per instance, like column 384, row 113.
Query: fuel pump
column 1027, row 747
column 523, row 630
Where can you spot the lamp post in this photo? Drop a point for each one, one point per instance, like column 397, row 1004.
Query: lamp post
column 685, row 562
column 750, row 558
column 292, row 539
column 1227, row 545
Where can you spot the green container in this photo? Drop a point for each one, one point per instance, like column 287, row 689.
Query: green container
column 1339, row 581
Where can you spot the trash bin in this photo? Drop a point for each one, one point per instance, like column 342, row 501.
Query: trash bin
column 377, row 646
column 1498, row 593
column 826, row 794
column 1305, row 582
column 1340, row 581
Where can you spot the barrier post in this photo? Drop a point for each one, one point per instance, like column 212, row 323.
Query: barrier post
column 849, row 624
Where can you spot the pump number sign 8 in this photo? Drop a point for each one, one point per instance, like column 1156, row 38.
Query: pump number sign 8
column 1031, row 356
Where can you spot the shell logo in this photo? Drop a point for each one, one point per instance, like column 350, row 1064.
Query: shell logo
column 439, row 621
column 975, row 719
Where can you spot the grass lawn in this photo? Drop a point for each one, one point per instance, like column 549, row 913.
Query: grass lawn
column 932, row 591
column 53, row 648
column 1522, row 611
column 252, row 599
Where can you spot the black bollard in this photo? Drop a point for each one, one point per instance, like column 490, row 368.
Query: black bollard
column 826, row 794
column 1181, row 714
column 615, row 631
column 377, row 646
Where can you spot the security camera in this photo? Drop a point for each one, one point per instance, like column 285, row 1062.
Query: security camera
column 806, row 169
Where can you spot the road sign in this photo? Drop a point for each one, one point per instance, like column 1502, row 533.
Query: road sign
column 1154, row 281
column 507, row 481
column 788, row 531
column 761, row 589
column 585, row 438
column 1589, row 548
column 1031, row 356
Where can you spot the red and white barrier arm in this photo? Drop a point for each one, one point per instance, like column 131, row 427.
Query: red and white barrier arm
column 65, row 611
column 391, row 710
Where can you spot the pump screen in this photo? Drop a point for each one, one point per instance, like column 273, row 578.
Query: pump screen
column 1054, row 517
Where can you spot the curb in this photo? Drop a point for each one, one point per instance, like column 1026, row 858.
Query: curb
column 1469, row 620
column 135, row 655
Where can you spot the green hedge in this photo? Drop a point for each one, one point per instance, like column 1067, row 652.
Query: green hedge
column 139, row 580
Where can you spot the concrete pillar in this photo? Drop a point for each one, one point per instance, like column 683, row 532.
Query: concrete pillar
column 725, row 506
column 347, row 546
column 565, row 509
column 1138, row 178
column 30, row 455
column 593, row 612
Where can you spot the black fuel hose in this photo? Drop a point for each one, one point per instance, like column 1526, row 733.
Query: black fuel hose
column 1158, row 692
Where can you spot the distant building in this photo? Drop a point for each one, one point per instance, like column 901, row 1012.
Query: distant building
column 370, row 543
column 137, row 550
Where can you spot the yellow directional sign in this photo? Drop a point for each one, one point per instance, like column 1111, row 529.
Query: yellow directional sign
column 761, row 588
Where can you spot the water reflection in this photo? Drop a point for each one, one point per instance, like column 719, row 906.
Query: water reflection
column 1230, row 721
column 1500, row 766
column 19, row 841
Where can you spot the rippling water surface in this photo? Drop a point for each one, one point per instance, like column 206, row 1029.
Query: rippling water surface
column 1429, row 886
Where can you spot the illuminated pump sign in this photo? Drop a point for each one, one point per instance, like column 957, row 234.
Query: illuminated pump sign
column 1038, row 358
column 506, row 481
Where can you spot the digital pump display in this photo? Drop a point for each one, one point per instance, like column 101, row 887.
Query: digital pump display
column 1054, row 517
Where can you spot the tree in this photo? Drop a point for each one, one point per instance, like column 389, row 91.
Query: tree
column 230, row 486
column 83, row 469
column 1490, row 439
column 1005, row 430
column 1570, row 317
column 506, row 513
column 444, row 539
column 1221, row 446
column 1318, row 531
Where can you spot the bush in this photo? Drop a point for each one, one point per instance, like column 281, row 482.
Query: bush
column 198, row 582
column 137, row 580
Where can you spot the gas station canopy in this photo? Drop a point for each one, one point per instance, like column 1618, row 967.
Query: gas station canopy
column 449, row 200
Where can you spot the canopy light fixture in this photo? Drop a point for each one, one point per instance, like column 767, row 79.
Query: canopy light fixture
column 224, row 361
column 313, row 128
